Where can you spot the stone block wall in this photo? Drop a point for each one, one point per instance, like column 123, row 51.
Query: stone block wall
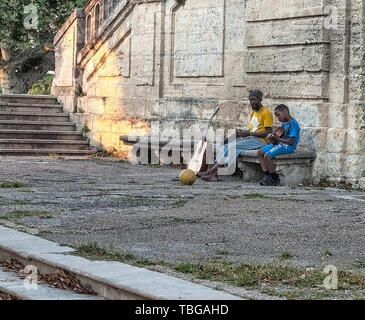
column 123, row 64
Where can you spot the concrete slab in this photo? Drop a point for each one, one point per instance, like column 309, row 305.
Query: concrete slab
column 28, row 244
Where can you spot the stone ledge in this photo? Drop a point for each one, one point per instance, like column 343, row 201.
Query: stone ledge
column 294, row 168
column 77, row 14
column 251, row 155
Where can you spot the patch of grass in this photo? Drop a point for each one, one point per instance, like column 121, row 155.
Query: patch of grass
column 272, row 274
column 19, row 214
column 92, row 250
column 131, row 198
column 255, row 196
column 360, row 263
column 20, row 202
column 12, row 184
column 85, row 130
column 179, row 203
column 144, row 263
column 286, row 255
column 276, row 279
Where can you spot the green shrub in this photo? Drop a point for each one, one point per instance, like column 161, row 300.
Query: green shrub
column 42, row 86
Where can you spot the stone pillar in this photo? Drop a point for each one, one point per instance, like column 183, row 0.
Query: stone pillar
column 67, row 43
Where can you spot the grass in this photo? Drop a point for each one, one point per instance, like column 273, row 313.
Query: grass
column 360, row 263
column 276, row 279
column 18, row 214
column 179, row 203
column 272, row 274
column 11, row 184
column 132, row 198
column 85, row 130
column 93, row 251
column 255, row 196
column 286, row 255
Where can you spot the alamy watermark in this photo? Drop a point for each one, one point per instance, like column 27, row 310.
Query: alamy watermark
column 31, row 20
column 331, row 280
column 331, row 20
column 177, row 146
column 31, row 280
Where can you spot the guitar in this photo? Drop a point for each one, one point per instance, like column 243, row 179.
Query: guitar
column 198, row 161
column 278, row 133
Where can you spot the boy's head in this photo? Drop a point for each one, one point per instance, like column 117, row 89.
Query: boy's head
column 255, row 97
column 282, row 112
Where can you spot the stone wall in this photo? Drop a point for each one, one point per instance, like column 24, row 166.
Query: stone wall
column 156, row 60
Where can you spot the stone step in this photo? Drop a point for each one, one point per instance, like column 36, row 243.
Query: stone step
column 43, row 144
column 109, row 279
column 27, row 99
column 11, row 284
column 29, row 116
column 40, row 152
column 40, row 134
column 37, row 125
column 32, row 108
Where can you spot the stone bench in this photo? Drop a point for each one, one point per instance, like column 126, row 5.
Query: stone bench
column 294, row 168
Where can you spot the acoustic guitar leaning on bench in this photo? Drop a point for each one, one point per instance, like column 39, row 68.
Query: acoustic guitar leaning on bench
column 198, row 161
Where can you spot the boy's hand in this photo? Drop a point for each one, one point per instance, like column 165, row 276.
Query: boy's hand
column 272, row 138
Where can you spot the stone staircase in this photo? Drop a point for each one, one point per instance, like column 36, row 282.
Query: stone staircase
column 37, row 125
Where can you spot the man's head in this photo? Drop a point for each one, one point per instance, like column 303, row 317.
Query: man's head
column 255, row 97
column 282, row 112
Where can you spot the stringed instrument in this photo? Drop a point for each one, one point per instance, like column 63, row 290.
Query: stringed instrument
column 279, row 133
column 198, row 161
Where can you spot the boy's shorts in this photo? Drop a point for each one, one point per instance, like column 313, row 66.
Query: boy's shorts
column 274, row 150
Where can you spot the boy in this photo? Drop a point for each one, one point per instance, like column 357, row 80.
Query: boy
column 287, row 143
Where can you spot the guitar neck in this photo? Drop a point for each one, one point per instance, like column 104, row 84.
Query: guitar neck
column 204, row 138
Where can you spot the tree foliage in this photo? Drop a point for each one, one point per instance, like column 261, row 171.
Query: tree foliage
column 22, row 57
column 51, row 14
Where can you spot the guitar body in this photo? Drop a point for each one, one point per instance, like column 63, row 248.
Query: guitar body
column 198, row 161
column 279, row 132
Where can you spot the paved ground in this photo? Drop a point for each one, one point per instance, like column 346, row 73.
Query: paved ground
column 142, row 210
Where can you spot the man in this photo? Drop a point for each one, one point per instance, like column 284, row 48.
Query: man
column 261, row 122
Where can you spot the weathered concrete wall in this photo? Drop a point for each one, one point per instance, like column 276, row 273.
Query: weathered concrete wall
column 156, row 60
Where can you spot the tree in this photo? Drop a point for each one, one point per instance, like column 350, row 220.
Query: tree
column 27, row 28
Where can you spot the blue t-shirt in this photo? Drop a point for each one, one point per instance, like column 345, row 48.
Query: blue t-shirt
column 292, row 130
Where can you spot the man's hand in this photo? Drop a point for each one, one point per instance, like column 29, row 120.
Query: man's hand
column 243, row 133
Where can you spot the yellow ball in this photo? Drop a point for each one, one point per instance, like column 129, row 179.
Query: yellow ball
column 187, row 176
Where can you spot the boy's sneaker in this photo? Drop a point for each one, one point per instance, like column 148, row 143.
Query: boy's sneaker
column 275, row 182
column 275, row 179
column 269, row 181
column 266, row 179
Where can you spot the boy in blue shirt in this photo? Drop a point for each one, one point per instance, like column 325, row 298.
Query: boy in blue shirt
column 280, row 144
